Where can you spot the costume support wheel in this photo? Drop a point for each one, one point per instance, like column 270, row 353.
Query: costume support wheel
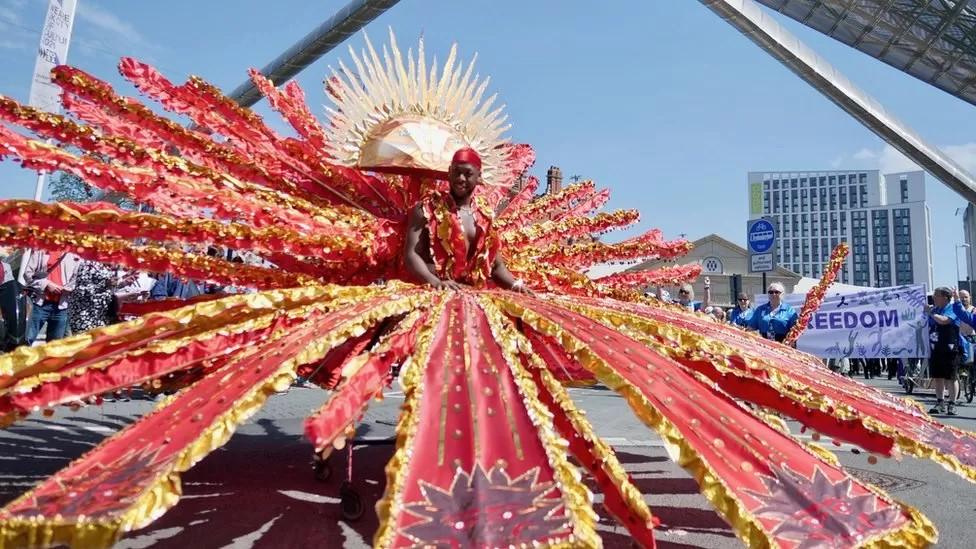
column 322, row 470
column 320, row 466
column 350, row 502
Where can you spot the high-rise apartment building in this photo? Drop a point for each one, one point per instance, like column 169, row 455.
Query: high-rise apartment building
column 885, row 222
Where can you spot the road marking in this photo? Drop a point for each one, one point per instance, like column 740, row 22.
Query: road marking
column 64, row 428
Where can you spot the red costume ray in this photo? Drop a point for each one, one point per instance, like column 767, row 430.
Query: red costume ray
column 340, row 308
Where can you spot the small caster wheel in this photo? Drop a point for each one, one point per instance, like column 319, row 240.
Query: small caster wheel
column 322, row 470
column 350, row 502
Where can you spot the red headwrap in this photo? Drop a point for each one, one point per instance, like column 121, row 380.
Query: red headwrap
column 467, row 155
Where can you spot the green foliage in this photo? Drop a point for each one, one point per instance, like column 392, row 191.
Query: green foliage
column 66, row 187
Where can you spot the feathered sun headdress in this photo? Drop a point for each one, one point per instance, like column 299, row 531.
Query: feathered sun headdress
column 402, row 117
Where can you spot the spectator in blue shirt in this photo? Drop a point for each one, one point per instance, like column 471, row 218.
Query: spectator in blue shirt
column 773, row 320
column 947, row 347
column 741, row 314
column 168, row 285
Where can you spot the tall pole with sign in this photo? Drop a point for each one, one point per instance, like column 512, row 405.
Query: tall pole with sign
column 53, row 51
column 761, row 244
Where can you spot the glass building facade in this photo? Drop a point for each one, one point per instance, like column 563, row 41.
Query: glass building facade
column 884, row 220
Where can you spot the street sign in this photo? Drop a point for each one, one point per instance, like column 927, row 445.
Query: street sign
column 761, row 236
column 761, row 263
column 761, row 243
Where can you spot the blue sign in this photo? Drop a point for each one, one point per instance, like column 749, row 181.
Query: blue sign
column 760, row 236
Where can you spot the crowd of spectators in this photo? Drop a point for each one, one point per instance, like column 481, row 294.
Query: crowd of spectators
column 48, row 295
column 772, row 320
column 952, row 338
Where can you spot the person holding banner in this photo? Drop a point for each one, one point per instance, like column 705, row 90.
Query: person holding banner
column 947, row 347
column 774, row 319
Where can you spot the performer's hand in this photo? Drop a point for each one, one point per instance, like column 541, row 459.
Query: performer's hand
column 446, row 285
column 523, row 289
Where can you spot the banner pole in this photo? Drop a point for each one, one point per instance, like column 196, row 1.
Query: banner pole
column 39, row 186
column 53, row 51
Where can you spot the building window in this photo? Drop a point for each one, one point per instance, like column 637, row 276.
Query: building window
column 904, row 270
column 904, row 191
column 712, row 265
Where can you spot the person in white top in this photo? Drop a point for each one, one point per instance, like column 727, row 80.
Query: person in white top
column 50, row 279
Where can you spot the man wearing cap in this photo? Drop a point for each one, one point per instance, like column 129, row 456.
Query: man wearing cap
column 465, row 250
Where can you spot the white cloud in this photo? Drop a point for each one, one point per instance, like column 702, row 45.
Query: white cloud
column 10, row 15
column 15, row 34
column 887, row 159
column 6, row 44
column 109, row 22
column 892, row 161
column 96, row 30
column 964, row 155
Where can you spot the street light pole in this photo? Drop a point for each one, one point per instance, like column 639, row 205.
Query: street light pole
column 958, row 277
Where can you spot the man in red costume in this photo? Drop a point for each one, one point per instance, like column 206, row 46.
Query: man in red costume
column 450, row 240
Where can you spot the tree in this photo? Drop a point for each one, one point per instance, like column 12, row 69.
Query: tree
column 66, row 187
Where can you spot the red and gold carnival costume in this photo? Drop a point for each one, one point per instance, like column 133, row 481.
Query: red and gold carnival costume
column 487, row 430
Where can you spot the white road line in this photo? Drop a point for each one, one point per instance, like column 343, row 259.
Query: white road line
column 63, row 428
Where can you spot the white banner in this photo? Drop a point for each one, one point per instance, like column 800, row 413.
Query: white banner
column 53, row 51
column 869, row 323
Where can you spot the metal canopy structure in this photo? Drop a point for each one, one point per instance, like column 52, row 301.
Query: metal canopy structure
column 932, row 40
column 762, row 29
column 332, row 32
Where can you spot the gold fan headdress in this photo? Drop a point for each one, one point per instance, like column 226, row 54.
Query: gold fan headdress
column 401, row 117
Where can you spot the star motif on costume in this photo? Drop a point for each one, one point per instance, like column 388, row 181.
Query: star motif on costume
column 962, row 446
column 486, row 509
column 817, row 512
column 104, row 488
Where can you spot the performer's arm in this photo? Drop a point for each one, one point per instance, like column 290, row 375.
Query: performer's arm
column 414, row 250
column 505, row 278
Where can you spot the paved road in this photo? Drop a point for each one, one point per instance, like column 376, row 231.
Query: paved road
column 258, row 491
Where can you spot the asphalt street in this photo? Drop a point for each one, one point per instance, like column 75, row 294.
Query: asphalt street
column 259, row 490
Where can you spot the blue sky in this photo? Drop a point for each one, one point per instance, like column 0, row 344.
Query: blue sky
column 661, row 101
